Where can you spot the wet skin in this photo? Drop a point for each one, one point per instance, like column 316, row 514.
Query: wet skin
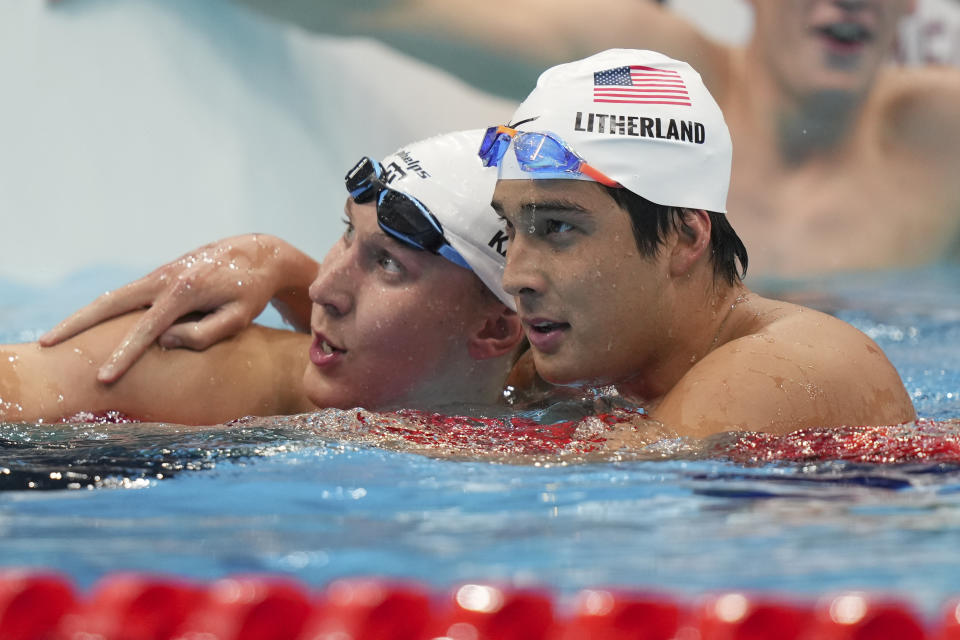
column 391, row 327
column 702, row 356
column 841, row 160
column 253, row 373
column 395, row 321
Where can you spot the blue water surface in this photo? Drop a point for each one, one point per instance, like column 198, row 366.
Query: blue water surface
column 285, row 499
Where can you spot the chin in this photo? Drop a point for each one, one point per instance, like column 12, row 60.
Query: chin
column 324, row 399
column 559, row 374
column 322, row 394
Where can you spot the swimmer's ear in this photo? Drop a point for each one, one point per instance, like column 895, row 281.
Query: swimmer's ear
column 692, row 241
column 500, row 334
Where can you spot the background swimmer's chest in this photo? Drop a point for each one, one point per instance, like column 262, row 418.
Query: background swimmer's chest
column 874, row 212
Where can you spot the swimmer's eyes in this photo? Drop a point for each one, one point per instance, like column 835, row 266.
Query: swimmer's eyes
column 544, row 227
column 389, row 263
column 508, row 226
column 557, row 226
column 348, row 231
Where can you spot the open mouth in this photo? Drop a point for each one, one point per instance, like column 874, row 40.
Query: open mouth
column 546, row 336
column 846, row 33
column 323, row 352
column 328, row 348
column 548, row 327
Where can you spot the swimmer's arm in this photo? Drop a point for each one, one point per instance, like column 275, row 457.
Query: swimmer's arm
column 923, row 120
column 522, row 36
column 779, row 386
column 921, row 112
column 257, row 372
column 227, row 283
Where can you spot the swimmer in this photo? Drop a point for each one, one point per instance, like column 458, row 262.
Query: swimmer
column 627, row 272
column 407, row 310
column 842, row 162
column 614, row 289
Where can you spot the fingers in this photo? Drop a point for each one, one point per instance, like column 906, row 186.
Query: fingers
column 153, row 323
column 225, row 323
column 132, row 296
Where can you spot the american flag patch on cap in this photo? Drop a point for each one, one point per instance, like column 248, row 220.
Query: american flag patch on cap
column 637, row 84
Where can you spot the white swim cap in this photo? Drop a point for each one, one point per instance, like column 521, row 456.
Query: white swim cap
column 641, row 118
column 445, row 174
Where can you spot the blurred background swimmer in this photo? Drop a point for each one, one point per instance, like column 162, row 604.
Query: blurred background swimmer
column 184, row 121
column 217, row 120
column 407, row 310
column 843, row 160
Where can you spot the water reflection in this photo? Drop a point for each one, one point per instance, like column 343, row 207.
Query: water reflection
column 105, row 454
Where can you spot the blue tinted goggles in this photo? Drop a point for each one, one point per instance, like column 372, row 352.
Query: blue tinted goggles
column 401, row 216
column 537, row 152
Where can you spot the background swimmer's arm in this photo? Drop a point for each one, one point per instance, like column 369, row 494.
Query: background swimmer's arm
column 922, row 123
column 257, row 372
column 816, row 374
column 923, row 112
column 228, row 282
column 501, row 46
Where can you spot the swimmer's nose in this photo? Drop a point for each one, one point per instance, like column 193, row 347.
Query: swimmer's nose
column 522, row 277
column 334, row 287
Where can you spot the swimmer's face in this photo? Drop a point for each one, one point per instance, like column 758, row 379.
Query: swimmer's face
column 389, row 322
column 826, row 45
column 590, row 304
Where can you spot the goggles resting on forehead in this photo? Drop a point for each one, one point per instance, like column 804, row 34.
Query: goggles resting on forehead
column 401, row 216
column 537, row 152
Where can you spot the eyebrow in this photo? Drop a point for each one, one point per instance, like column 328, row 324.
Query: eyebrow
column 552, row 205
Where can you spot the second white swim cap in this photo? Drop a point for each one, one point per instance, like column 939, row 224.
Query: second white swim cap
column 445, row 174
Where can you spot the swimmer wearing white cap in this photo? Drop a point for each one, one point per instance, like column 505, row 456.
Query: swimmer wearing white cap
column 613, row 183
column 407, row 310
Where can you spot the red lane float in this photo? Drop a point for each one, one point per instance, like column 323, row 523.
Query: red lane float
column 950, row 625
column 740, row 616
column 622, row 615
column 249, row 608
column 32, row 604
column 857, row 616
column 44, row 606
column 133, row 607
column 485, row 612
column 368, row 608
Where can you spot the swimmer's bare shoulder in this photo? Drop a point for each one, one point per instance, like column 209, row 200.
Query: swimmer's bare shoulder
column 258, row 372
column 793, row 368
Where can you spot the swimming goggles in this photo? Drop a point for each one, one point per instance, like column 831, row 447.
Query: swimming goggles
column 401, row 216
column 537, row 152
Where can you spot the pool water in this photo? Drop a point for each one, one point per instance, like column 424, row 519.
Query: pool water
column 289, row 495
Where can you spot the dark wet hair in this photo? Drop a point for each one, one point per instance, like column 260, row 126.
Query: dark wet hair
column 652, row 222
